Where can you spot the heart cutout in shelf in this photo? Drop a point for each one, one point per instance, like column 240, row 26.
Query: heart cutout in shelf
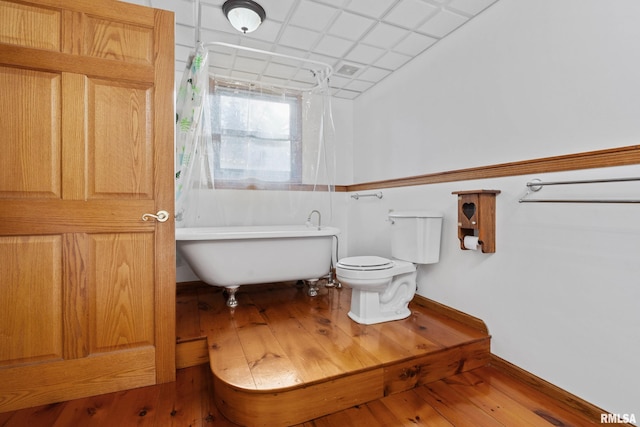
column 469, row 209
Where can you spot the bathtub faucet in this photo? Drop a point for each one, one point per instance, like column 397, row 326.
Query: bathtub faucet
column 319, row 218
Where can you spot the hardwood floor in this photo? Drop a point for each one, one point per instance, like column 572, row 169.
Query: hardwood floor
column 481, row 397
column 280, row 349
column 420, row 377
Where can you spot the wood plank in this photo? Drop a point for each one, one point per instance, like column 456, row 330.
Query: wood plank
column 549, row 409
column 44, row 415
column 130, row 407
column 411, row 410
column 333, row 339
column 371, row 340
column 270, row 365
column 359, row 415
column 192, row 353
column 311, row 361
column 493, row 401
column 187, row 317
column 299, row 404
column 457, row 409
column 409, row 335
column 383, row 415
column 589, row 410
column 226, row 356
column 190, row 384
column 435, row 366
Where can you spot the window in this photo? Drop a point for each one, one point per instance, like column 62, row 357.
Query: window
column 256, row 136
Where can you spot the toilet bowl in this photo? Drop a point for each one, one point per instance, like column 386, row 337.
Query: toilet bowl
column 382, row 288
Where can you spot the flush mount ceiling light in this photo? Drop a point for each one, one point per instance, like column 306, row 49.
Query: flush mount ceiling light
column 244, row 15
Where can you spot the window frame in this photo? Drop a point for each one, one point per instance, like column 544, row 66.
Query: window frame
column 295, row 129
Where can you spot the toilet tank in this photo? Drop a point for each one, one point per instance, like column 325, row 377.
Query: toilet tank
column 415, row 236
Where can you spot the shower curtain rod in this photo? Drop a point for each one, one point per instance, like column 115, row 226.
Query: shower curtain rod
column 326, row 66
column 328, row 69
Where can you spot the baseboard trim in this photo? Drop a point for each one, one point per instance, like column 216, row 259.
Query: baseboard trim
column 451, row 313
column 576, row 403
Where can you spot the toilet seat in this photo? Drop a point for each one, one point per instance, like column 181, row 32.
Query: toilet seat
column 371, row 268
column 365, row 263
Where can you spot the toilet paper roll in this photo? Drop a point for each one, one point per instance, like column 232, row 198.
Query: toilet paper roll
column 471, row 242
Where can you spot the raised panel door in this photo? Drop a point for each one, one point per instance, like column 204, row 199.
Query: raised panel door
column 87, row 288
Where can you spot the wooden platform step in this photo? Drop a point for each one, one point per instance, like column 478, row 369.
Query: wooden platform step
column 282, row 357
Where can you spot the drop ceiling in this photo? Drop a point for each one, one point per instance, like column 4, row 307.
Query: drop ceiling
column 363, row 40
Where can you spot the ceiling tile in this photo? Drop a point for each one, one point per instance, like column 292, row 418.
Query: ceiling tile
column 351, row 26
column 373, row 74
column 410, row 13
column 183, row 9
column 377, row 36
column 384, row 35
column 267, row 31
column 471, row 7
column 251, row 65
column 221, row 60
column 358, row 85
column 346, row 94
column 185, row 35
column 443, row 23
column 277, row 10
column 306, row 76
column 218, row 36
column 243, row 75
column 333, row 46
column 183, row 52
column 299, row 37
column 313, row 16
column 280, row 70
column 373, row 8
column 338, row 82
column 364, row 54
column 392, row 61
column 212, row 17
column 414, row 44
column 334, row 3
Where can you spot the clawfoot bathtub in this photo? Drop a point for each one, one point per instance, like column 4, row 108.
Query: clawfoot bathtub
column 234, row 256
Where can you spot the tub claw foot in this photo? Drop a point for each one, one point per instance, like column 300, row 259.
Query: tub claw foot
column 313, row 288
column 232, row 302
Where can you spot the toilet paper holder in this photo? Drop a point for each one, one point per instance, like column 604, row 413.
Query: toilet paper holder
column 477, row 217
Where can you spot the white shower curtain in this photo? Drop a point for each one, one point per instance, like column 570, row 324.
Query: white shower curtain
column 251, row 154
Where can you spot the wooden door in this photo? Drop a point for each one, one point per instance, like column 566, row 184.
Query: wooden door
column 87, row 288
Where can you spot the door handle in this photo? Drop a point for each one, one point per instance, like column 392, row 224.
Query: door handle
column 161, row 216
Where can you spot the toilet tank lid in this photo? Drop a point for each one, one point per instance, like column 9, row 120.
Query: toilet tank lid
column 415, row 214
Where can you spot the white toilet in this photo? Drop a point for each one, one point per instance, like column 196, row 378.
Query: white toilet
column 382, row 288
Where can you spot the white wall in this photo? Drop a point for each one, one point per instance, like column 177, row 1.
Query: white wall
column 526, row 79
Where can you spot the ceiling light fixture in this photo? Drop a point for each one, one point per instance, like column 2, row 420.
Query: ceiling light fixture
column 245, row 15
